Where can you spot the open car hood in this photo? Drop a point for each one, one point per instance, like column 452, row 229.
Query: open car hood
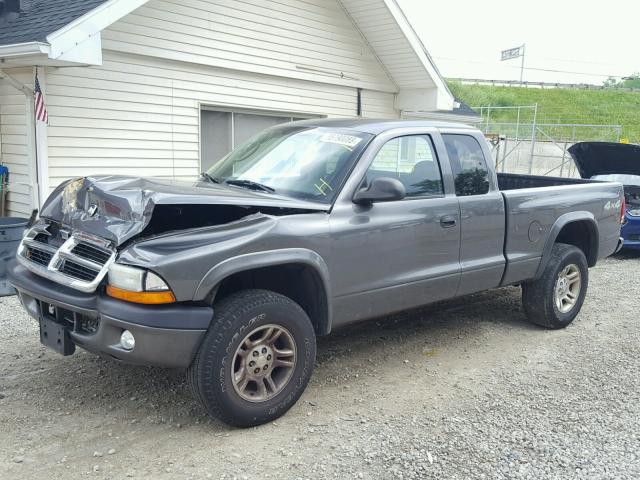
column 118, row 208
column 604, row 158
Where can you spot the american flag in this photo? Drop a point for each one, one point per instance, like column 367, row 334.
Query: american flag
column 41, row 109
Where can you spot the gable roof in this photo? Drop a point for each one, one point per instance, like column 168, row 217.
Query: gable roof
column 59, row 32
column 398, row 47
column 39, row 18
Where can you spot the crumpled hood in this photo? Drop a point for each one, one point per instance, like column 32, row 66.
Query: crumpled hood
column 119, row 207
column 603, row 158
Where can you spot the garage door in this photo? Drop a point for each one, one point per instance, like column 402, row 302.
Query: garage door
column 222, row 131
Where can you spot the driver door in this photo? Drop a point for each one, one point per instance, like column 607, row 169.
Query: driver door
column 390, row 256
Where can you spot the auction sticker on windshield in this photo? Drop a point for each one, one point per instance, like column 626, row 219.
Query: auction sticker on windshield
column 341, row 139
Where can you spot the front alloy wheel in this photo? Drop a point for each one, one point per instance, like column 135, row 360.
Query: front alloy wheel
column 263, row 363
column 256, row 358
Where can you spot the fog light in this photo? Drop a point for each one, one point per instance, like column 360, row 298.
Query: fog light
column 127, row 341
column 31, row 305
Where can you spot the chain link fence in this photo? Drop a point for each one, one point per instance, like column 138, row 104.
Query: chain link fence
column 523, row 145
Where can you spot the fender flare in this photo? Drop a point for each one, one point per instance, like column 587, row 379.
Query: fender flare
column 268, row 258
column 561, row 222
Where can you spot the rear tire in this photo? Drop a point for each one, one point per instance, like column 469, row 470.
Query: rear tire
column 555, row 299
column 255, row 360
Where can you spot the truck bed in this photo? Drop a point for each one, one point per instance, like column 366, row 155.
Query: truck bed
column 513, row 181
column 535, row 204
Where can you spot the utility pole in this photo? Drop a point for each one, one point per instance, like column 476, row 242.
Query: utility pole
column 522, row 65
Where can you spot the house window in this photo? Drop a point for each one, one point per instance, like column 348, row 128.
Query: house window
column 222, row 131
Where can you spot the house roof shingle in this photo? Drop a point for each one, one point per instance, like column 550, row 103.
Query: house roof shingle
column 464, row 109
column 39, row 18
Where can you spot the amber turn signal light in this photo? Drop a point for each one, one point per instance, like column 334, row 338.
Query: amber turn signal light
column 147, row 298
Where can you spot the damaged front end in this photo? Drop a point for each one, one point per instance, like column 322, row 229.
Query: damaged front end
column 118, row 208
column 87, row 223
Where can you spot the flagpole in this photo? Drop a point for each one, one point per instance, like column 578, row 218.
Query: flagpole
column 35, row 141
column 36, row 189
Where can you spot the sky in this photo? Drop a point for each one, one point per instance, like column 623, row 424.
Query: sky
column 584, row 41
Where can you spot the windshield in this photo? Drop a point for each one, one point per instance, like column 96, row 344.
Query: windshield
column 303, row 162
column 623, row 178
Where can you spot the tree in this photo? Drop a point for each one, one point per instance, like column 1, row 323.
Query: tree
column 632, row 81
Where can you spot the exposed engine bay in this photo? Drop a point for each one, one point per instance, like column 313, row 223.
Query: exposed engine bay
column 120, row 208
column 168, row 218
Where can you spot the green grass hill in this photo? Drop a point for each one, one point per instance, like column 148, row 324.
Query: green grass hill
column 560, row 105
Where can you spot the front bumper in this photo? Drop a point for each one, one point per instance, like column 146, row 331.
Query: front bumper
column 166, row 335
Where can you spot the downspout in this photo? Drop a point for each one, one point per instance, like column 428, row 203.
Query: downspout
column 30, row 121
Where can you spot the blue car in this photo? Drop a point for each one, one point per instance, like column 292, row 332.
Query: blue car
column 615, row 162
column 631, row 230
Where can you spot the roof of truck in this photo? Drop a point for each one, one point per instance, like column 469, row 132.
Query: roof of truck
column 378, row 126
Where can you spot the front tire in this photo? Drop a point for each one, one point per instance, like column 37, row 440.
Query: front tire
column 255, row 360
column 555, row 299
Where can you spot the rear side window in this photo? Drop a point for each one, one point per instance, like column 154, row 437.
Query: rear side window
column 470, row 172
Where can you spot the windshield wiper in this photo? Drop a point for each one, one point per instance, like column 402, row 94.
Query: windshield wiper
column 250, row 184
column 209, row 178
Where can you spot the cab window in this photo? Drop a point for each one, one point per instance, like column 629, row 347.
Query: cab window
column 412, row 160
column 470, row 172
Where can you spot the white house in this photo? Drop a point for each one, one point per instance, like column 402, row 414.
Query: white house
column 165, row 87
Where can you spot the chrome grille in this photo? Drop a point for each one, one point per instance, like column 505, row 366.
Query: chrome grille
column 78, row 271
column 80, row 262
column 38, row 256
column 92, row 253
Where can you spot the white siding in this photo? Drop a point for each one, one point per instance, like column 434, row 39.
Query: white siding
column 13, row 143
column 378, row 104
column 389, row 43
column 303, row 39
column 139, row 115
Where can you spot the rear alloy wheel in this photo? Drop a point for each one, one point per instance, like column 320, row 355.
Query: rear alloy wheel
column 256, row 358
column 555, row 299
column 567, row 288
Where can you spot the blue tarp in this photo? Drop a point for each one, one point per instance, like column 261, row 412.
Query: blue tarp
column 4, row 177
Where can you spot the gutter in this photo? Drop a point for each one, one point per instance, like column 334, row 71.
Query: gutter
column 21, row 49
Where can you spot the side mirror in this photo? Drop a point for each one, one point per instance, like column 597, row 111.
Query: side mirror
column 383, row 189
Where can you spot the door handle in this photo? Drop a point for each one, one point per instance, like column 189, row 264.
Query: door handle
column 448, row 221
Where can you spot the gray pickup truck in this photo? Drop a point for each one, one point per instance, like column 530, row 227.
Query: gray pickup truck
column 307, row 227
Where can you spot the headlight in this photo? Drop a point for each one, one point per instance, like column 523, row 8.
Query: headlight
column 634, row 212
column 137, row 285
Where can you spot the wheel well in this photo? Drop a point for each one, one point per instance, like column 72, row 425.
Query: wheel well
column 300, row 282
column 583, row 235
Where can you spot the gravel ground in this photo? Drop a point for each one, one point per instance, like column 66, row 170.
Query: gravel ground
column 463, row 389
